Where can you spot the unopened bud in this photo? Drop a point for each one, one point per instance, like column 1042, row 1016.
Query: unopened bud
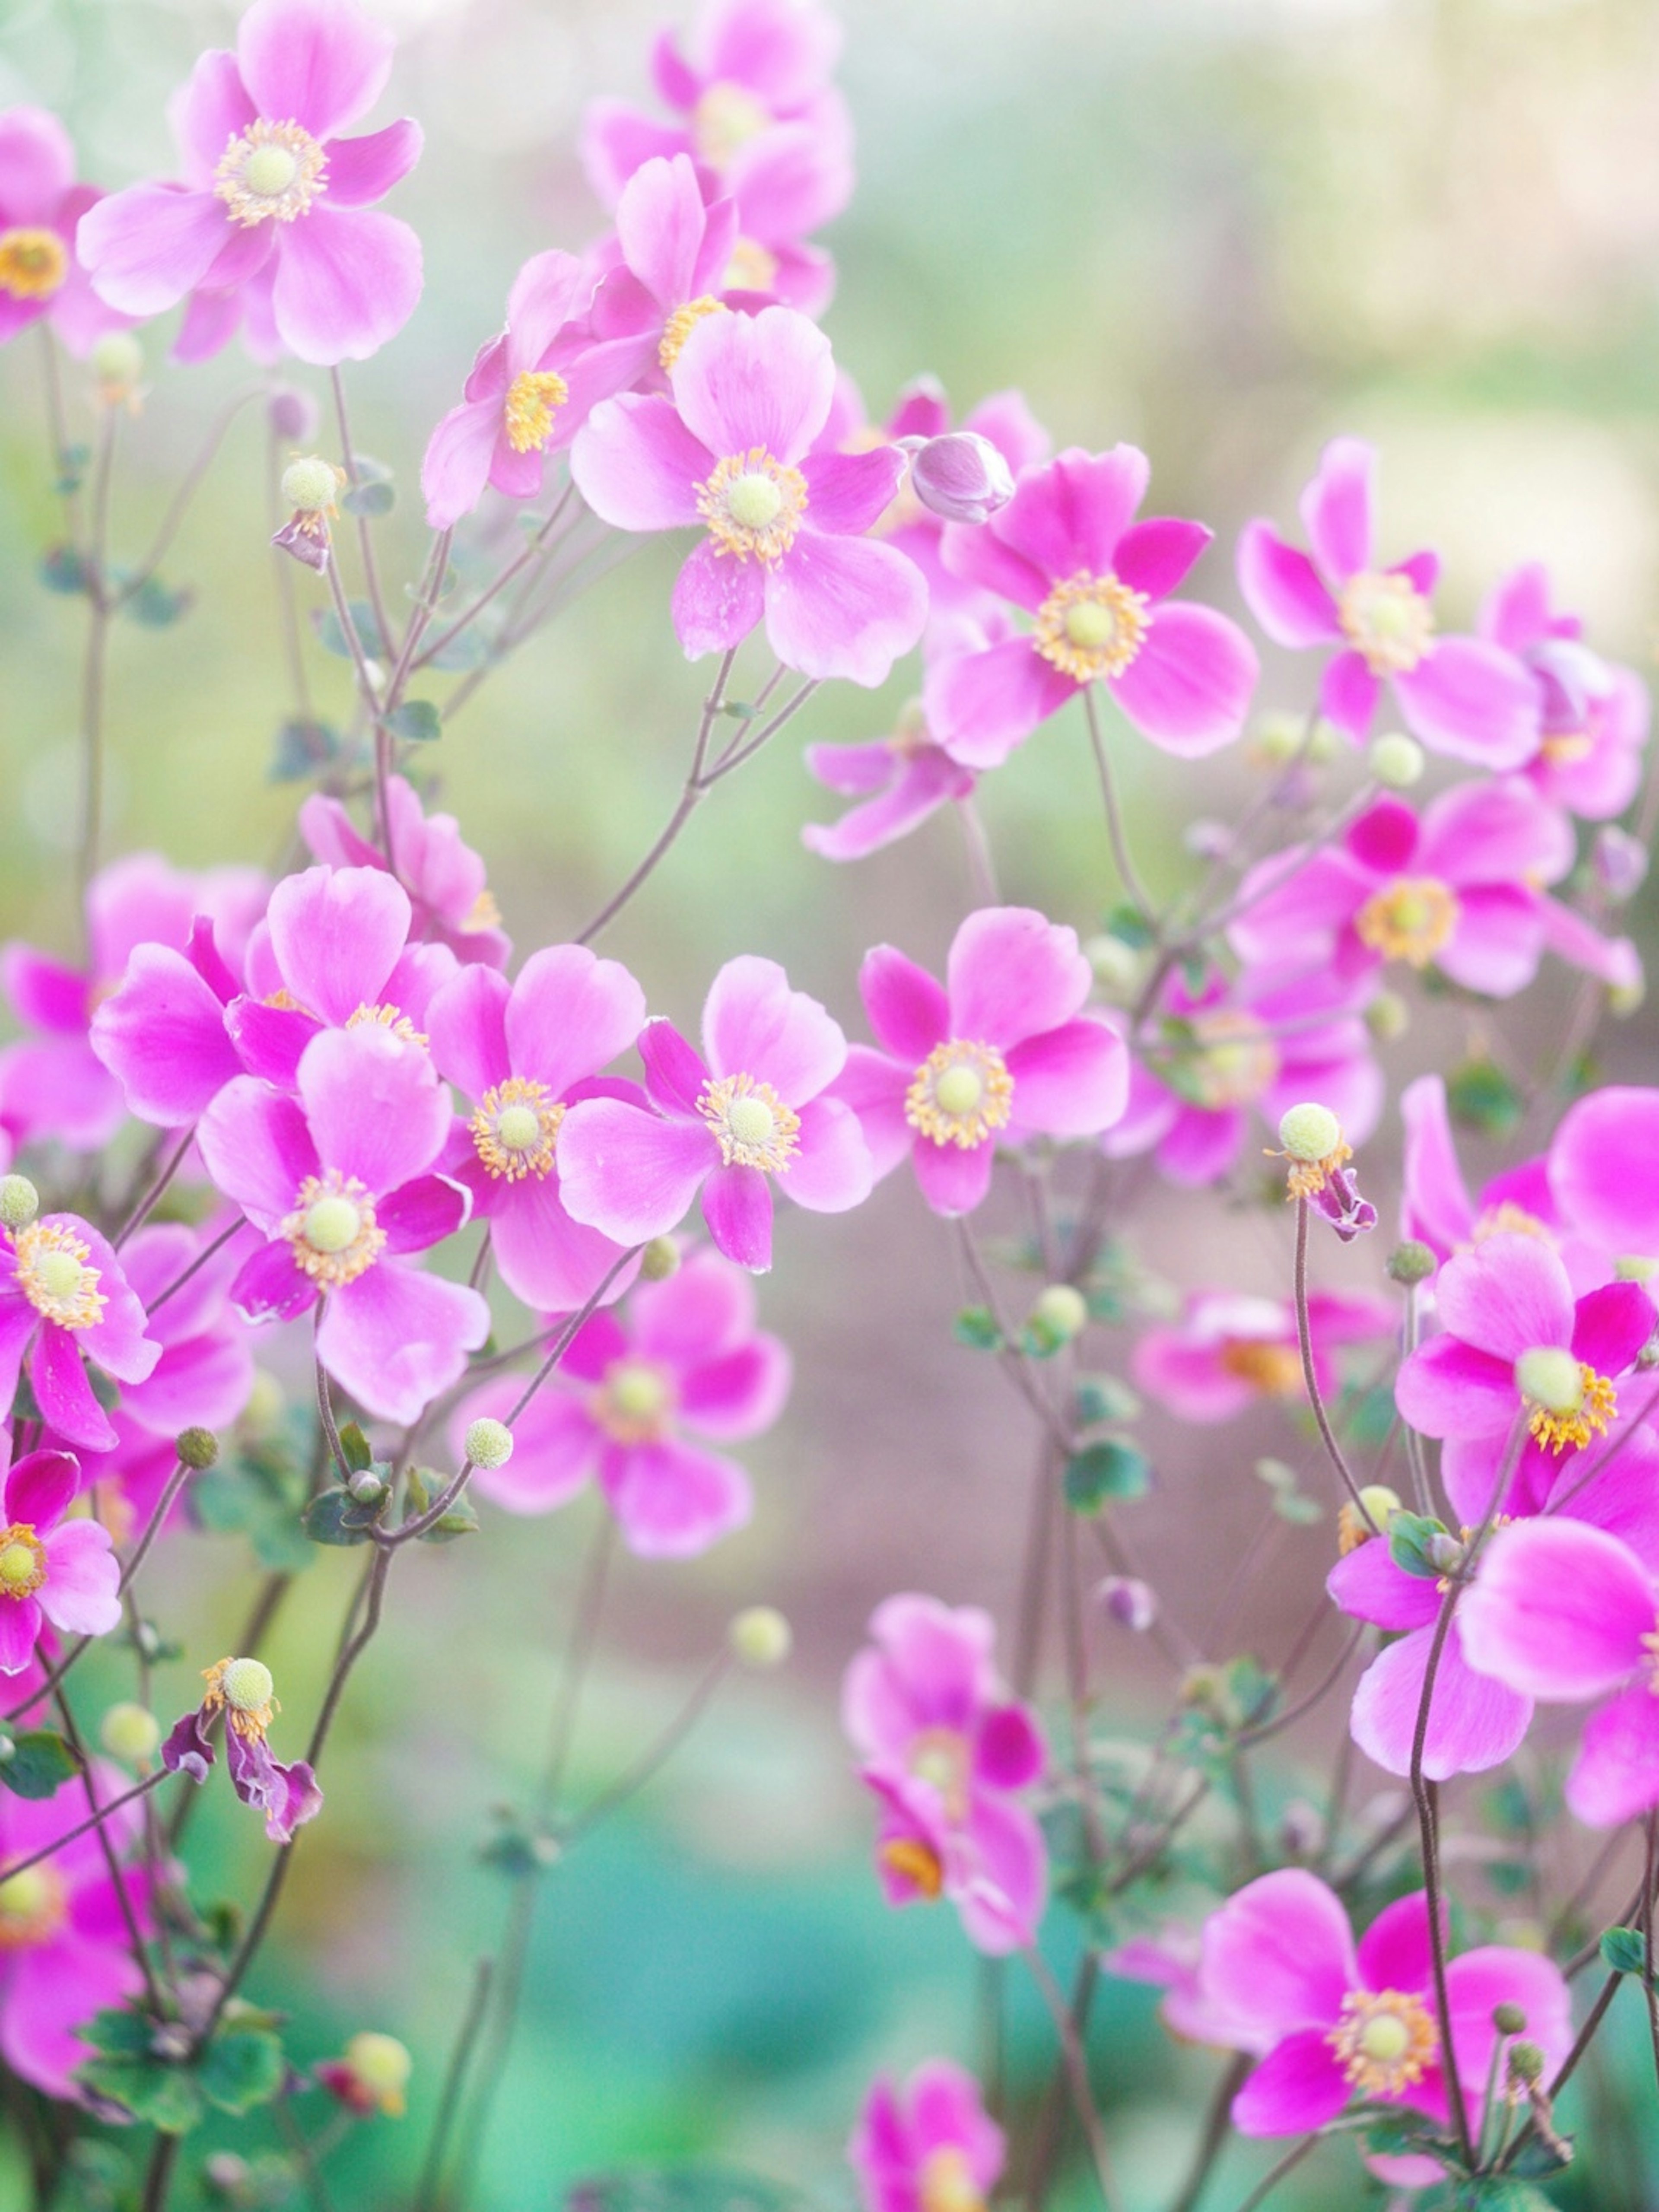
column 1444, row 1552
column 1207, row 840
column 116, row 361
column 1303, row 1829
column 1130, row 1603
column 19, row 1202
column 1625, row 999
column 1387, row 1017
column 960, row 477
column 1355, row 1527
column 131, row 1733
column 1527, row 2062
column 1411, row 1262
column 1620, row 862
column 197, row 1448
column 1509, row 2020
column 1061, row 1314
column 759, row 1636
column 293, row 415
column 227, row 2175
column 367, row 1487
column 489, row 1444
column 1396, row 761
column 1118, row 967
column 659, row 1259
column 1309, row 1132
column 310, row 483
column 171, row 2040
column 382, row 2065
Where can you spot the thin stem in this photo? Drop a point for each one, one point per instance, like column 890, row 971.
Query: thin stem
column 1128, row 874
column 1422, row 1796
column 103, row 1813
column 1218, row 2128
column 111, row 1862
column 152, row 1198
column 652, row 1761
column 286, row 600
column 1076, row 2075
column 521, row 561
column 1310, row 1376
column 454, row 2080
column 981, row 866
column 190, row 484
column 158, row 2181
column 736, row 755
column 365, row 537
column 96, row 659
column 1264, row 2188
column 326, row 1402
column 304, row 2156
column 195, row 1265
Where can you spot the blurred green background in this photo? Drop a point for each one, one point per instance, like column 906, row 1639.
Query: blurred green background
column 1222, row 228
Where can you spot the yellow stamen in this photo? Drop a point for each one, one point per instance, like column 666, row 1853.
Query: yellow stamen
column 533, row 398
column 681, row 323
column 634, row 1400
column 33, row 1906
column 22, row 1560
column 1307, row 1178
column 391, row 1018
column 482, row 913
column 918, row 1863
column 1092, row 626
column 960, row 1094
column 1411, row 919
column 1386, row 621
column 1273, row 1370
column 53, row 1270
column 333, row 1230
column 1572, row 1431
column 942, row 1757
column 33, row 262
column 1565, row 750
column 271, row 172
column 947, row 2182
column 1506, row 1218
column 516, row 1128
column 754, row 1128
column 753, row 504
column 1385, row 2041
column 724, row 120
column 1230, row 1062
column 752, row 267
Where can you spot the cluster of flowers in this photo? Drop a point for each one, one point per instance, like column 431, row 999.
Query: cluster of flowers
column 349, row 1080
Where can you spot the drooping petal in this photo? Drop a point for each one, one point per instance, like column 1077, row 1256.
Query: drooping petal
column 1615, row 1777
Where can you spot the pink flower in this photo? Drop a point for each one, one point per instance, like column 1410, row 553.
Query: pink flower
column 755, row 1109
column 523, row 1055
column 50, row 1570
column 449, row 899
column 1333, row 2024
column 1436, row 1207
column 58, row 1083
column 288, row 1794
column 1222, row 1052
column 1168, row 1959
column 1604, row 1169
column 731, row 451
column 1517, row 1346
column 273, row 215
column 899, row 782
column 1459, row 696
column 40, row 203
column 1569, row 1614
column 1461, row 888
column 946, row 1750
column 64, row 1950
column 632, row 1406
column 63, row 1293
column 928, row 2147
column 1593, row 714
column 1000, row 1053
column 1476, row 1722
column 1068, row 550
column 339, row 1180
column 1229, row 1352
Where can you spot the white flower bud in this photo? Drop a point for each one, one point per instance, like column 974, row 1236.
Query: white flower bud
column 489, row 1444
column 960, row 477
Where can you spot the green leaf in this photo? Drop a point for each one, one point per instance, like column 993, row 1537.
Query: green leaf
column 156, row 605
column 369, row 471
column 117, row 2033
column 461, row 1519
column 369, row 499
column 1409, row 1536
column 40, row 1763
column 417, row 721
column 1624, row 1951
column 72, row 469
column 1110, row 1468
column 469, row 648
column 1104, row 1398
column 1302, row 1512
column 1128, row 926
column 62, row 569
column 334, row 1516
column 686, row 2189
column 242, row 2067
column 1487, row 2193
column 332, row 638
column 302, row 747
column 1482, row 1097
column 157, row 2090
column 355, row 1446
column 976, row 1326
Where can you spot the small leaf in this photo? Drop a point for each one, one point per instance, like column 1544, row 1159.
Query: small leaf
column 417, row 721
column 116, row 2033
column 62, row 569
column 369, row 499
column 1302, row 1512
column 332, row 638
column 334, row 1516
column 1129, row 928
column 975, row 1327
column 156, row 605
column 1104, row 1398
column 469, row 648
column 1624, row 1951
column 369, row 471
column 354, row 1445
column 302, row 747
column 72, row 469
column 156, row 2090
column 1409, row 1537
column 40, row 1763
column 1482, row 1097
column 1110, row 1468
column 242, row 2067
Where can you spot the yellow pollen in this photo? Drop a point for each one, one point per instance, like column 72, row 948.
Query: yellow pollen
column 1564, row 750
column 52, row 1267
column 681, row 323
column 533, row 398
column 1384, row 2040
column 1092, row 626
column 33, row 1906
column 1230, row 1061
column 1571, row 1431
column 1411, row 919
column 1307, row 1178
column 754, row 1128
column 1353, row 1530
column 724, row 120
column 1273, row 1370
column 634, row 1402
column 753, row 504
column 751, row 267
column 916, row 1861
column 243, row 1688
column 22, row 1560
column 392, row 1018
column 947, row 2182
column 271, row 172
column 33, row 262
column 1386, row 621
column 284, row 1002
column 961, row 1094
column 516, row 1128
column 482, row 913
column 941, row 1757
column 1506, row 1218
column 333, row 1230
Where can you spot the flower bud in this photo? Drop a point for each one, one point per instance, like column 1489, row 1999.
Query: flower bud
column 1444, row 1551
column 8, row 1747
column 1411, row 1262
column 310, row 483
column 1527, row 2062
column 489, row 1444
column 1303, row 1829
column 1309, row 1132
column 198, row 1449
column 1118, row 967
column 1625, row 999
column 960, row 477
column 1061, row 1314
column 1354, row 1527
column 659, row 1259
column 117, row 362
column 381, row 2064
column 1509, row 2020
column 759, row 1636
column 1396, row 761
column 1206, row 840
column 366, row 1486
column 1130, row 1603
column 19, row 1202
column 1387, row 1017
column 129, row 1733
column 227, row 2177
column 293, row 415
column 1620, row 862
column 171, row 2040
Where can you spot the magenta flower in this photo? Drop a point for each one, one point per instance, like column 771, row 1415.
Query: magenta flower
column 1334, row 2024
column 1593, row 714
column 288, row 1796
column 1517, row 1346
column 999, row 1052
column 1168, row 1958
column 1459, row 696
column 522, row 1054
column 40, row 203
column 57, row 1084
column 1229, row 1352
column 1225, row 1052
column 632, row 1406
column 1068, row 550
column 946, row 1750
column 339, row 1181
column 755, row 1108
column 65, row 1953
column 274, row 212
column 930, row 2147
column 1604, row 1169
column 1461, row 888
column 63, row 1293
column 449, row 898
column 1569, row 1614
column 1436, row 1207
column 1474, row 1722
column 732, row 450
column 50, row 1570
column 898, row 782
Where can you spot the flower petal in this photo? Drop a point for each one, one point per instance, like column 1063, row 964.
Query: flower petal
column 843, row 607
column 318, row 63
column 346, row 281
column 1559, row 1611
column 1189, row 687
